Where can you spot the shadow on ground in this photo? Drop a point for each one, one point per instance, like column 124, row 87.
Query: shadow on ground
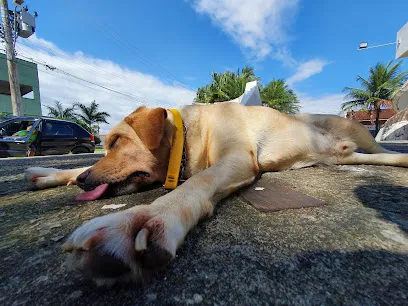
column 390, row 201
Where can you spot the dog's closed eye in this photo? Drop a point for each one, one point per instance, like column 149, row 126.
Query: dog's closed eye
column 112, row 144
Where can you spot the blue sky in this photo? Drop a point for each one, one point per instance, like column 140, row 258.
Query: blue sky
column 152, row 45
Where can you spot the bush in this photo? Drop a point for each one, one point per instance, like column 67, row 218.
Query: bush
column 97, row 140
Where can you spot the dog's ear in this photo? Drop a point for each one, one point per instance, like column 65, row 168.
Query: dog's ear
column 148, row 125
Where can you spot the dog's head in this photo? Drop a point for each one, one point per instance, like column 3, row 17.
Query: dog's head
column 137, row 154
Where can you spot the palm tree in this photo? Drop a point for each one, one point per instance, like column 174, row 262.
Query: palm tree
column 58, row 111
column 382, row 83
column 279, row 96
column 90, row 114
column 225, row 86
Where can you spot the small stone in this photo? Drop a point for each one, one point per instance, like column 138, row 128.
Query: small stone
column 151, row 297
column 75, row 295
column 55, row 225
column 41, row 240
column 259, row 188
column 197, row 298
column 44, row 232
column 113, row 206
column 35, row 220
column 394, row 236
column 42, row 278
column 57, row 238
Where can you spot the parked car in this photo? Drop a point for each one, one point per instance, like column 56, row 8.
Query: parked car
column 4, row 118
column 28, row 136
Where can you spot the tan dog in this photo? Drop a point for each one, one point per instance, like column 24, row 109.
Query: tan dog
column 227, row 146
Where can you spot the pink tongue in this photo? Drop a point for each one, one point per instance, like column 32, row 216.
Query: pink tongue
column 93, row 194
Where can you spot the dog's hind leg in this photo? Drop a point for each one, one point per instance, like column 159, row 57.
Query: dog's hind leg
column 364, row 140
column 386, row 159
column 51, row 177
column 345, row 129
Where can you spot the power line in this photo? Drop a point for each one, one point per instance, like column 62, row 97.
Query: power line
column 88, row 67
column 106, row 29
column 91, row 68
column 53, row 68
column 124, row 96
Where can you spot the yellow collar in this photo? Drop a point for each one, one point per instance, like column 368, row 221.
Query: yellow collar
column 176, row 152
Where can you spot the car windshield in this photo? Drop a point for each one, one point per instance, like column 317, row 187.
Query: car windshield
column 16, row 128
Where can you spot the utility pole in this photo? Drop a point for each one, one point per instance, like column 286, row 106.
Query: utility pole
column 16, row 101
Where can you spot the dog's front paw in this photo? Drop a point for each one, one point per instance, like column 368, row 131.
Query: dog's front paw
column 123, row 246
column 42, row 177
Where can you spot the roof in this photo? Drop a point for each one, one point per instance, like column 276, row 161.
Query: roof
column 367, row 115
column 386, row 103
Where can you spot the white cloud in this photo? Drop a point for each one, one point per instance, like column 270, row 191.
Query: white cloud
column 262, row 28
column 306, row 70
column 137, row 88
column 256, row 25
column 327, row 104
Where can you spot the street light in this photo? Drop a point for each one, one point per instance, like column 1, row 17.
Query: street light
column 364, row 45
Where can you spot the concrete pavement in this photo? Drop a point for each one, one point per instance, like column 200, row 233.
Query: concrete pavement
column 352, row 251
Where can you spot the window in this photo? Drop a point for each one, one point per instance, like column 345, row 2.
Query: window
column 81, row 132
column 56, row 128
column 17, row 128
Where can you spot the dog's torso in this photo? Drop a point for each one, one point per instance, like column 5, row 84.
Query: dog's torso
column 276, row 141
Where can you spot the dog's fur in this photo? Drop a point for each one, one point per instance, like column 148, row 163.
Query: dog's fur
column 227, row 146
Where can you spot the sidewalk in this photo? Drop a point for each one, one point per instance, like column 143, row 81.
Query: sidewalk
column 352, row 251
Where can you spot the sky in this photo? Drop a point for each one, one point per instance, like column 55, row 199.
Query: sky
column 158, row 52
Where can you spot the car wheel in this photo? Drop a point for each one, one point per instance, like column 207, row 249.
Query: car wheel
column 80, row 150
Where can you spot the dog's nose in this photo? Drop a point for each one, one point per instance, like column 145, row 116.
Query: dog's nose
column 81, row 179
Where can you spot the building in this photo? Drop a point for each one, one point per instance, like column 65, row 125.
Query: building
column 367, row 117
column 29, row 87
column 250, row 97
column 400, row 100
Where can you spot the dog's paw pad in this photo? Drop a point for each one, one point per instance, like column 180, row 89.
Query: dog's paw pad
column 151, row 252
column 124, row 245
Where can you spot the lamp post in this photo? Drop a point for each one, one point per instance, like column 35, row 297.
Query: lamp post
column 364, row 45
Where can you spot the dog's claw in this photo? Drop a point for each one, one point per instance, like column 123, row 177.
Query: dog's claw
column 141, row 240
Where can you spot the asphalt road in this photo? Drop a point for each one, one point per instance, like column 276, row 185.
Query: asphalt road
column 12, row 169
column 352, row 251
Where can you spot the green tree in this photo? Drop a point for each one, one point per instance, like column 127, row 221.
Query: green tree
column 279, row 96
column 58, row 111
column 91, row 115
column 382, row 83
column 225, row 86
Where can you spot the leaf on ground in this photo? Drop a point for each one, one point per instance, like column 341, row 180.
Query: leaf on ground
column 57, row 238
column 113, row 206
column 259, row 188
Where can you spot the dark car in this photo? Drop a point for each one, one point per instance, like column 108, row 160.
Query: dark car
column 28, row 136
